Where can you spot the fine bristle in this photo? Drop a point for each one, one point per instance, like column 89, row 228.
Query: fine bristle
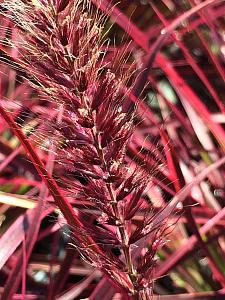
column 60, row 45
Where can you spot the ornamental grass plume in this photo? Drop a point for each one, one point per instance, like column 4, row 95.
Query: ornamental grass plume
column 61, row 53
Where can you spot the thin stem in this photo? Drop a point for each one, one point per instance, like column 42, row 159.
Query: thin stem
column 119, row 220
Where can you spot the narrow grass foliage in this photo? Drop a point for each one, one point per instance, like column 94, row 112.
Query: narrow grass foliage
column 112, row 149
